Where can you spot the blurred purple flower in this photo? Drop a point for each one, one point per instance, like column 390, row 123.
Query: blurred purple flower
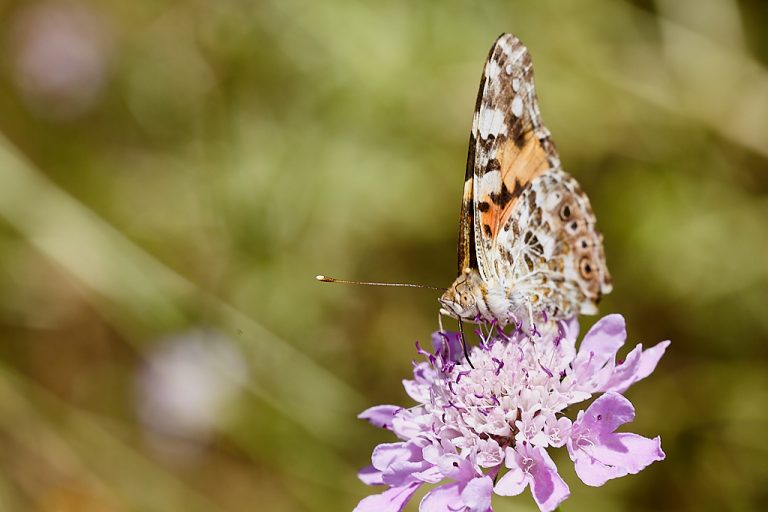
column 60, row 56
column 185, row 388
column 471, row 424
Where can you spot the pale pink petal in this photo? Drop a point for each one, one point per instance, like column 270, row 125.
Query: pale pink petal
column 399, row 461
column 570, row 328
column 408, row 424
column 512, row 483
column 393, row 499
column 549, row 489
column 591, row 471
column 442, row 499
column 631, row 452
column 477, row 494
column 599, row 453
column 417, row 391
column 599, row 346
column 370, row 476
column 431, row 475
column 565, row 349
column 386, row 454
column 558, row 431
column 380, row 416
column 605, row 415
column 456, row 467
column 418, row 388
column 638, row 365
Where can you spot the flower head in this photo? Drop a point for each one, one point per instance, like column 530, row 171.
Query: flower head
column 486, row 427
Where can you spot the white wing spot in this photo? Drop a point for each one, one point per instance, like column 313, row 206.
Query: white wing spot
column 517, row 106
column 491, row 121
column 515, row 82
column 518, row 53
column 490, row 182
column 493, row 70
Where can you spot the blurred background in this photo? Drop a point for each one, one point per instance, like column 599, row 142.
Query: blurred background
column 173, row 174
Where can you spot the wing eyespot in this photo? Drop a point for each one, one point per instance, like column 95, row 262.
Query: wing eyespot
column 585, row 268
column 565, row 212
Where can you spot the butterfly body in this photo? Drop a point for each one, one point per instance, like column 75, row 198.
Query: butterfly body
column 527, row 237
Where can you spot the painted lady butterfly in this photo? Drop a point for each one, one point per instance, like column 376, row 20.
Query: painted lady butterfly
column 527, row 238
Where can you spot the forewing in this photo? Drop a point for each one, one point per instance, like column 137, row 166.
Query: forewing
column 509, row 147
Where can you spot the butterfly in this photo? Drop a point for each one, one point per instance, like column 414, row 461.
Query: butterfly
column 528, row 245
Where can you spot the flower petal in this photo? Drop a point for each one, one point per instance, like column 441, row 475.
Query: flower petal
column 393, row 499
column 442, row 499
column 557, row 431
column 548, row 488
column 570, row 328
column 599, row 453
column 590, row 470
column 432, row 475
column 477, row 494
column 638, row 365
column 380, row 416
column 605, row 415
column 447, row 344
column 456, row 467
column 369, row 475
column 386, row 454
column 599, row 346
column 631, row 452
column 399, row 461
column 512, row 483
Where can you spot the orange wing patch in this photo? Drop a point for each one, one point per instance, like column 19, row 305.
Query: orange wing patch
column 519, row 162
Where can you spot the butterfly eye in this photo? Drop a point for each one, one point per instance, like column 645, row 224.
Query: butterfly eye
column 565, row 212
column 585, row 268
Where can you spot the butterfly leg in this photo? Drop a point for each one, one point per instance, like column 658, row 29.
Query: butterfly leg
column 464, row 344
column 530, row 313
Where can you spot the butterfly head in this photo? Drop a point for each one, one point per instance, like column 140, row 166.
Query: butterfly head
column 464, row 299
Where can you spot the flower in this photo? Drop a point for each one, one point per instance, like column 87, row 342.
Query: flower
column 185, row 388
column 485, row 427
column 61, row 57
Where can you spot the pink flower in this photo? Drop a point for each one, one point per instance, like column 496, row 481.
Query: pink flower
column 472, row 424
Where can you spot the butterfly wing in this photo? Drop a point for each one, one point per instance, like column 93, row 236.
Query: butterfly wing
column 514, row 199
column 509, row 147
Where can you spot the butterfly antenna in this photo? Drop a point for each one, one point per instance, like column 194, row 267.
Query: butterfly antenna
column 326, row 279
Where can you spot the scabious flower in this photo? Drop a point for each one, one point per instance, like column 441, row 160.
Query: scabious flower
column 485, row 428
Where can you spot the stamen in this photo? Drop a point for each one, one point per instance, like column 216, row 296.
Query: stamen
column 546, row 370
column 462, row 374
column 500, row 364
column 426, row 354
